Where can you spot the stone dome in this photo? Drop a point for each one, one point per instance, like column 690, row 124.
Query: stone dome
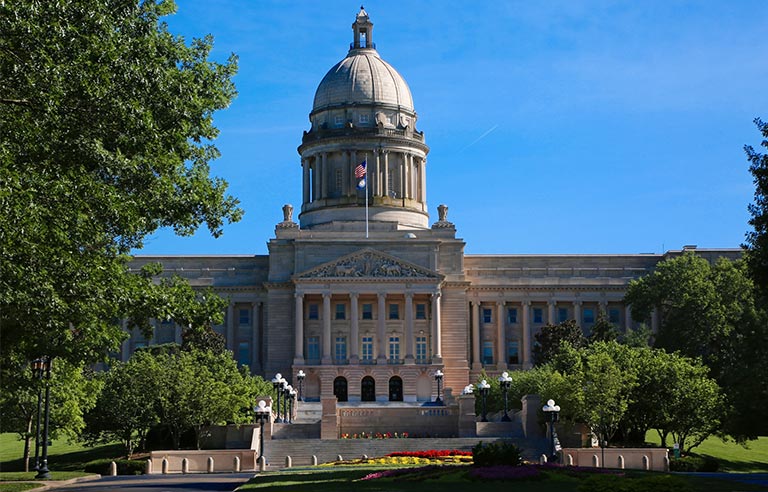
column 363, row 78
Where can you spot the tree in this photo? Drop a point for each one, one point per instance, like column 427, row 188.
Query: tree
column 710, row 311
column 106, row 123
column 125, row 409
column 548, row 341
column 757, row 239
column 603, row 330
column 73, row 391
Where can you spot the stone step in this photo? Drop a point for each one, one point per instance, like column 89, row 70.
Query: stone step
column 296, row 431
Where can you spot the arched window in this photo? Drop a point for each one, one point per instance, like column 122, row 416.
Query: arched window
column 395, row 389
column 368, row 389
column 340, row 388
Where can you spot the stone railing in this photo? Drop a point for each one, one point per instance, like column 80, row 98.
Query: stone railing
column 656, row 459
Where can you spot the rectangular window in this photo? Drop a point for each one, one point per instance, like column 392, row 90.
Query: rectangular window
column 340, row 350
column 562, row 315
column 421, row 311
column 341, row 311
column 244, row 353
column 512, row 316
column 394, row 349
column 487, row 352
column 614, row 316
column 367, row 311
column 421, row 349
column 487, row 315
column 314, row 312
column 313, row 348
column 366, row 352
column 245, row 316
column 394, row 311
column 364, row 118
column 589, row 315
column 339, row 180
column 538, row 315
column 513, row 353
column 338, row 120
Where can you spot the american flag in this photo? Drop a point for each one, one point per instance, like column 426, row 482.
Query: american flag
column 360, row 170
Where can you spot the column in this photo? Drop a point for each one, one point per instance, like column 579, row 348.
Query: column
column 551, row 312
column 476, row 362
column 350, row 173
column 409, row 358
column 381, row 327
column 604, row 307
column 316, row 178
column 407, row 163
column 403, row 174
column 375, row 183
column 354, row 330
column 324, row 176
column 326, row 328
column 627, row 318
column 527, row 342
column 231, row 327
column 501, row 339
column 437, row 335
column 385, row 180
column 423, row 184
column 305, row 180
column 577, row 312
column 298, row 356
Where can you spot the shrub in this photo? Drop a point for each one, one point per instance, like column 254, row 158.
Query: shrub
column 124, row 467
column 694, row 464
column 650, row 483
column 496, row 453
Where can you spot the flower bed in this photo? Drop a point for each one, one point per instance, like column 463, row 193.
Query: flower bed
column 432, row 453
column 375, row 435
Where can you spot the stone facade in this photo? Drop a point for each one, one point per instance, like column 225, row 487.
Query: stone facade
column 366, row 297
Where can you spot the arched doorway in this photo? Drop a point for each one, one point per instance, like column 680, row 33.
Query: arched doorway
column 395, row 388
column 368, row 389
column 340, row 388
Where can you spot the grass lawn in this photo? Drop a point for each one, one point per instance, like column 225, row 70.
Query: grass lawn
column 347, row 478
column 62, row 456
column 18, row 486
column 732, row 457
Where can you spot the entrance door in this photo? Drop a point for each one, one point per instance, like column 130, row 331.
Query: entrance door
column 395, row 389
column 368, row 389
column 340, row 388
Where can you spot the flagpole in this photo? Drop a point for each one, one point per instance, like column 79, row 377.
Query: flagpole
column 366, row 195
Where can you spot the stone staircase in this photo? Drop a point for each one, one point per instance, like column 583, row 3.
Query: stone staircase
column 302, row 450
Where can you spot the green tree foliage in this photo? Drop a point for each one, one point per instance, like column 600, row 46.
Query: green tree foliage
column 105, row 136
column 757, row 239
column 603, row 330
column 548, row 341
column 73, row 391
column 710, row 311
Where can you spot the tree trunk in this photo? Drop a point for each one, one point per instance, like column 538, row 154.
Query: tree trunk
column 27, row 438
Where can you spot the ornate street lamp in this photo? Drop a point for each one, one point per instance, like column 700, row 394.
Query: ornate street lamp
column 300, row 378
column 262, row 412
column 505, row 381
column 287, row 389
column 552, row 410
column 439, row 378
column 483, row 387
column 293, row 400
column 277, row 385
column 44, row 365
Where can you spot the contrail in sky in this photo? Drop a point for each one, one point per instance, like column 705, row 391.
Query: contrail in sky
column 487, row 132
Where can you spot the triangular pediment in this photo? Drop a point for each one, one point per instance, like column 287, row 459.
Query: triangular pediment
column 369, row 263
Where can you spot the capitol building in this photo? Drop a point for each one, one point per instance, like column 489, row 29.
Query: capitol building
column 368, row 291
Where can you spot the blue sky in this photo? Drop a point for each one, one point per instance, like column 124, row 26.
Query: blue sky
column 554, row 127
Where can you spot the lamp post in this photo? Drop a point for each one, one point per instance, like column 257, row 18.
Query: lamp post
column 294, row 401
column 287, row 389
column 37, row 373
column 439, row 378
column 300, row 378
column 483, row 387
column 277, row 385
column 505, row 381
column 262, row 412
column 552, row 410
column 45, row 372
